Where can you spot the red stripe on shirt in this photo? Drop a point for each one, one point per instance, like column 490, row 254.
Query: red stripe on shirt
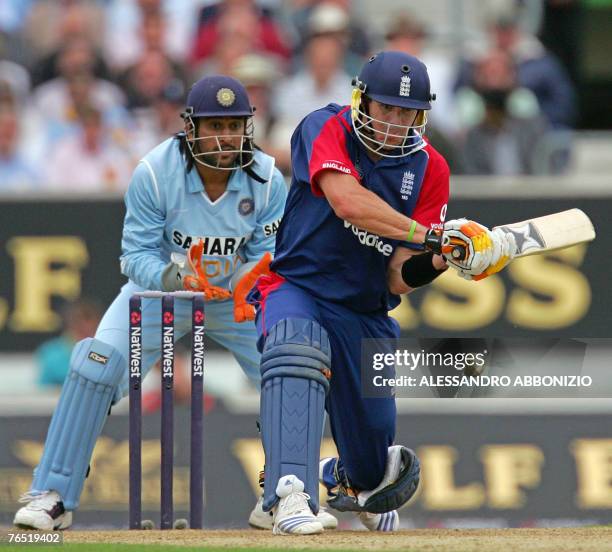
column 430, row 209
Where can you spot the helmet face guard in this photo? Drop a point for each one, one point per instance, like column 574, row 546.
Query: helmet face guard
column 212, row 159
column 363, row 124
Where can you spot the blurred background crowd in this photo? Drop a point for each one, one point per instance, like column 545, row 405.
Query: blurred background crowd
column 87, row 87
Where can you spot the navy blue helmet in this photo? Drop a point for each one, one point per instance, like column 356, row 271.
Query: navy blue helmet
column 396, row 79
column 219, row 96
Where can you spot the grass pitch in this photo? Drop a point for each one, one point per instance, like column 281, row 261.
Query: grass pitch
column 583, row 539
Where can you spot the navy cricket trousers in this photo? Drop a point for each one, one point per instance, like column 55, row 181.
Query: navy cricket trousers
column 362, row 428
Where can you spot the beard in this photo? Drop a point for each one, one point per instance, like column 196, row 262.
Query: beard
column 222, row 158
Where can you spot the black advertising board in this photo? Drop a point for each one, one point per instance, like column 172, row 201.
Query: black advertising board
column 55, row 251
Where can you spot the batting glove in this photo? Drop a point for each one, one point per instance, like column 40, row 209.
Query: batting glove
column 475, row 251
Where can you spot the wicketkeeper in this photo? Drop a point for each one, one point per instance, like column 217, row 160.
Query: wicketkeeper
column 200, row 207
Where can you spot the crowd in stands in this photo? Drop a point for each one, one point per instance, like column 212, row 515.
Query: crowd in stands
column 87, row 87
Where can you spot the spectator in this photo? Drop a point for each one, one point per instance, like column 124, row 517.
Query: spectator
column 145, row 81
column 89, row 161
column 540, row 72
column 259, row 75
column 15, row 80
column 13, row 14
column 135, row 26
column 241, row 19
column 228, row 51
column 537, row 70
column 337, row 13
column 505, row 140
column 160, row 121
column 16, row 173
column 320, row 82
column 60, row 100
column 80, row 320
column 405, row 33
column 52, row 24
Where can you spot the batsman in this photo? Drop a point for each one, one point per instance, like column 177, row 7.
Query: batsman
column 202, row 210
column 364, row 222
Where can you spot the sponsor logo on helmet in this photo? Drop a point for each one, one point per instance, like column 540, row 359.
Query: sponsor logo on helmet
column 405, row 86
column 246, row 206
column 226, row 97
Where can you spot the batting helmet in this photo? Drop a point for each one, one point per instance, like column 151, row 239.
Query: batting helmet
column 396, row 79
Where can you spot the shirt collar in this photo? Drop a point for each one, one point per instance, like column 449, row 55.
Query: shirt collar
column 195, row 185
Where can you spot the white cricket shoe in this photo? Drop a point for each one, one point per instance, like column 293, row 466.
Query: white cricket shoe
column 44, row 511
column 265, row 520
column 293, row 515
column 387, row 522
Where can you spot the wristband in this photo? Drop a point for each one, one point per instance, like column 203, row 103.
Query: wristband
column 419, row 270
column 412, row 229
column 433, row 241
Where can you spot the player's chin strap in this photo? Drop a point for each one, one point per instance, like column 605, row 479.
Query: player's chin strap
column 397, row 487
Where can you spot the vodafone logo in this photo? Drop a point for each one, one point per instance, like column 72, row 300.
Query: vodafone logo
column 443, row 212
column 370, row 240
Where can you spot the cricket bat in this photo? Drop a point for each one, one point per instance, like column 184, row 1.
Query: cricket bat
column 547, row 233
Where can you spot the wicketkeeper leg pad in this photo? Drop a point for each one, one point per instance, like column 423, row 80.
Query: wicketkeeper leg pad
column 96, row 369
column 397, row 487
column 295, row 367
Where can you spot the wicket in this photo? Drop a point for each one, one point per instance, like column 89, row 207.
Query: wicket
column 196, row 481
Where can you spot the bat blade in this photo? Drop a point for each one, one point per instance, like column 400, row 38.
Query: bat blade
column 551, row 232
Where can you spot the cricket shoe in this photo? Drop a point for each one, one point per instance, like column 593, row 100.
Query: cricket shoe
column 44, row 511
column 265, row 520
column 330, row 477
column 386, row 523
column 293, row 515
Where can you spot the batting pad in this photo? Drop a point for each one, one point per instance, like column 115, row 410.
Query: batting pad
column 96, row 370
column 295, row 367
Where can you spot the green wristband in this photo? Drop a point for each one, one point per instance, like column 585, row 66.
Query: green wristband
column 412, row 229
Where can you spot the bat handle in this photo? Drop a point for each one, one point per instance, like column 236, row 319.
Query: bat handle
column 459, row 252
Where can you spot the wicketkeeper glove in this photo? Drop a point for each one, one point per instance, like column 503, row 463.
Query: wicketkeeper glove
column 199, row 282
column 474, row 251
column 188, row 274
column 245, row 280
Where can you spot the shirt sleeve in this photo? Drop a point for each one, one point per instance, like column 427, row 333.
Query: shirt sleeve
column 143, row 230
column 268, row 220
column 319, row 144
column 430, row 209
